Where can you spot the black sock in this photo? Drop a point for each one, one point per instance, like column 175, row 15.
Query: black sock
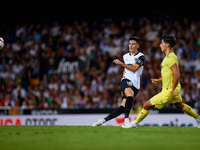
column 115, row 113
column 128, row 104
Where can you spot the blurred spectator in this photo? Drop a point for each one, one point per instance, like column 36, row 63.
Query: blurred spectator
column 31, row 77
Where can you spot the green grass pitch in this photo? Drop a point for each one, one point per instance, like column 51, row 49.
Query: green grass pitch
column 98, row 138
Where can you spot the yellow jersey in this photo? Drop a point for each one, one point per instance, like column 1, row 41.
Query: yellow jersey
column 166, row 72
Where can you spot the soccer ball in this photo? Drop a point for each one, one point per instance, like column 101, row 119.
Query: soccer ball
column 1, row 43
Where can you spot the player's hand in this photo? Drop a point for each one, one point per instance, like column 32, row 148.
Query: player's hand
column 117, row 61
column 175, row 94
column 155, row 81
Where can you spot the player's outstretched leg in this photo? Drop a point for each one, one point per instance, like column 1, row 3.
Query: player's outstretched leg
column 112, row 115
column 189, row 111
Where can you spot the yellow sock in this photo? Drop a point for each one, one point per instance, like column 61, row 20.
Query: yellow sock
column 142, row 114
column 189, row 111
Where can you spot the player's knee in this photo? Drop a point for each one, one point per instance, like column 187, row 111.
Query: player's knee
column 179, row 106
column 147, row 105
column 129, row 92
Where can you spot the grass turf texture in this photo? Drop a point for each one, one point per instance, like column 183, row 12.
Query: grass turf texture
column 104, row 137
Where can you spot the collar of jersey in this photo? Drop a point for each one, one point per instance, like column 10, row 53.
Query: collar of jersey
column 169, row 53
column 133, row 55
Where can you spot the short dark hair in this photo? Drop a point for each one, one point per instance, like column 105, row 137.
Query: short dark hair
column 169, row 39
column 135, row 38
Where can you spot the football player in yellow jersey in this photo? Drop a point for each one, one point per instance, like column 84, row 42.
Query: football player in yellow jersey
column 170, row 77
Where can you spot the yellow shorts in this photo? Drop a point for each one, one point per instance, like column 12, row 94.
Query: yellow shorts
column 163, row 98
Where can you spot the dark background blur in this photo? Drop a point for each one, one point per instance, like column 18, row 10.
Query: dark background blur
column 68, row 11
column 44, row 40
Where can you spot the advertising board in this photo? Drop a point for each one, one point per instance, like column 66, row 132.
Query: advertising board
column 89, row 119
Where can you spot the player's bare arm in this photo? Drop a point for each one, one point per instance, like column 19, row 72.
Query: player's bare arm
column 176, row 80
column 156, row 81
column 133, row 68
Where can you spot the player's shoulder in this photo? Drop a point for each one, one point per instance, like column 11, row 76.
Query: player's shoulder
column 127, row 54
column 172, row 56
column 141, row 53
column 140, row 56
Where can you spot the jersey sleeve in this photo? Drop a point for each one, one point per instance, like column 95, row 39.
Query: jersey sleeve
column 171, row 61
column 141, row 60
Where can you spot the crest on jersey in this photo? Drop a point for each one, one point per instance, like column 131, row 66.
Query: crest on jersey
column 136, row 59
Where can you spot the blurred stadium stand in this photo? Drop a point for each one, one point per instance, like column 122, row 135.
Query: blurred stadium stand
column 59, row 62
